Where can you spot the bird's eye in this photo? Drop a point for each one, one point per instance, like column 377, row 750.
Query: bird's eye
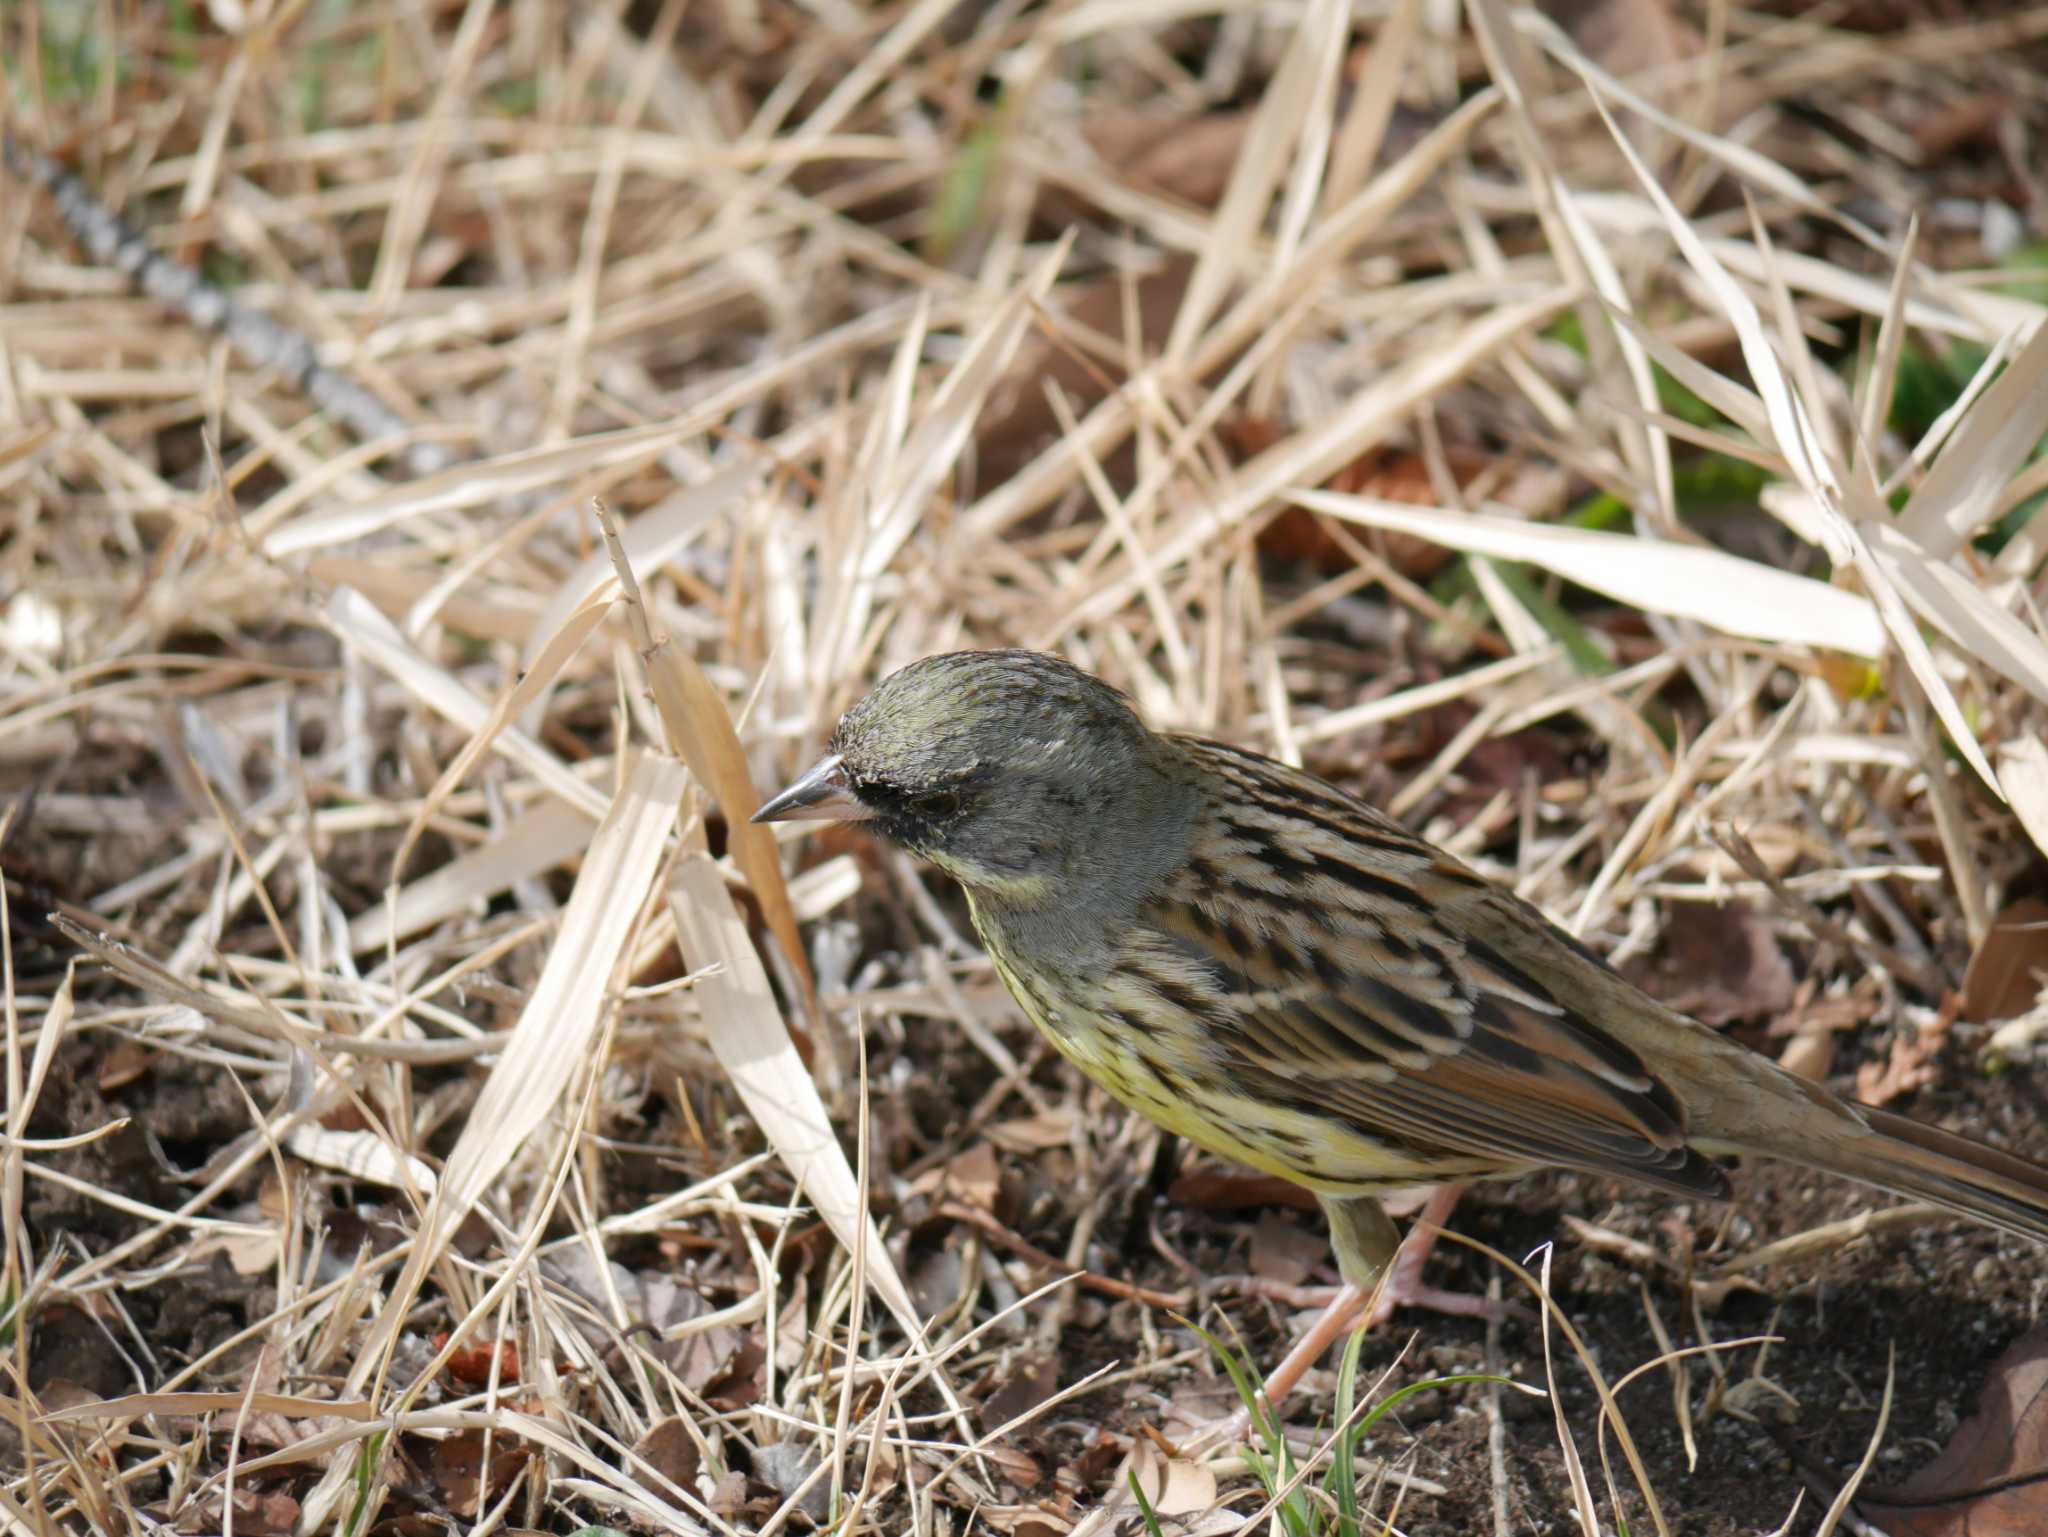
column 936, row 806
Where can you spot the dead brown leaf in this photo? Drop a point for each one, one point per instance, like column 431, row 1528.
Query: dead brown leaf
column 1085, row 363
column 1285, row 1252
column 1171, row 154
column 1021, row 1385
column 265, row 1513
column 2008, row 970
column 1173, row 1486
column 1625, row 37
column 1216, row 1188
column 1960, row 124
column 1720, row 964
column 1036, row 1133
column 972, row 1177
column 671, row 1451
column 1991, row 1480
column 457, row 1468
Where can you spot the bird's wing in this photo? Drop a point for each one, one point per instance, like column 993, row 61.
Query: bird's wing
column 1344, row 966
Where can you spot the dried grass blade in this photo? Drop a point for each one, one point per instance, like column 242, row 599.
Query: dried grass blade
column 1792, row 430
column 471, row 485
column 1963, row 612
column 1312, row 456
column 529, row 845
column 1372, row 104
column 1738, row 596
column 133, row 1406
column 1581, row 254
column 749, row 1036
column 1739, row 160
column 534, row 682
column 2023, row 770
column 1936, row 435
column 701, row 733
column 1111, row 421
column 359, row 625
column 1306, row 73
column 551, row 1041
column 1839, row 1506
column 1875, row 408
column 653, row 538
column 1961, row 492
column 930, row 450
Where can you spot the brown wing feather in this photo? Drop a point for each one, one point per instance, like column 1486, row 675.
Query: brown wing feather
column 1351, row 1007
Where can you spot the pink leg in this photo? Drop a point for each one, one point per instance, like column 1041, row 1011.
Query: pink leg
column 1345, row 1308
column 1402, row 1285
column 1357, row 1305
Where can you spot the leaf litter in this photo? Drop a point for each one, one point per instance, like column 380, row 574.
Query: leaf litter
column 437, row 1101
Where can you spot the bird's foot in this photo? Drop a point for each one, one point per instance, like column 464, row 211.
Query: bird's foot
column 1403, row 1285
column 1404, row 1288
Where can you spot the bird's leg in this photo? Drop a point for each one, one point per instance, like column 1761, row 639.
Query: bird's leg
column 1365, row 1240
column 1404, row 1286
column 1381, row 1273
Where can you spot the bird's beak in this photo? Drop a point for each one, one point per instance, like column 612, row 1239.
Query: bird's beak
column 824, row 794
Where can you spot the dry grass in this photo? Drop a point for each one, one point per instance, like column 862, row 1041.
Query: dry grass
column 561, row 1160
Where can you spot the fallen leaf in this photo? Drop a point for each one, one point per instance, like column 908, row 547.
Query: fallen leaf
column 1719, row 963
column 1627, row 37
column 1392, row 474
column 1173, row 154
column 1810, row 1054
column 2007, row 972
column 1212, row 1188
column 1991, row 1480
column 1945, row 129
column 1173, row 1486
column 785, row 1467
column 1090, row 360
column 729, row 1493
column 792, row 1325
column 458, row 1468
column 1019, row 1469
column 473, row 1363
column 1025, row 1384
column 671, row 1451
column 1035, row 1133
column 265, row 1513
column 972, row 1177
column 1025, row 1521
column 739, row 1385
column 937, row 1278
column 126, row 1062
column 1283, row 1251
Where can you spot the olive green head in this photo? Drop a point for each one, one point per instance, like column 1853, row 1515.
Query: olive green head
column 1015, row 772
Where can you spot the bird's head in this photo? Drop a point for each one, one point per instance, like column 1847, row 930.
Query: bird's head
column 1014, row 772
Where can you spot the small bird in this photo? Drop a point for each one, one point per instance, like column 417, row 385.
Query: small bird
column 1290, row 979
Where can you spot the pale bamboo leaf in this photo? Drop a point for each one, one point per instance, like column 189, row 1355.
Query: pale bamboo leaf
column 747, row 1034
column 1961, row 610
column 1961, row 493
column 1738, row 596
column 2023, row 771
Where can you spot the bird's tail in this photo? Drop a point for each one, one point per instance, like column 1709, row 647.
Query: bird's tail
column 1913, row 1159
